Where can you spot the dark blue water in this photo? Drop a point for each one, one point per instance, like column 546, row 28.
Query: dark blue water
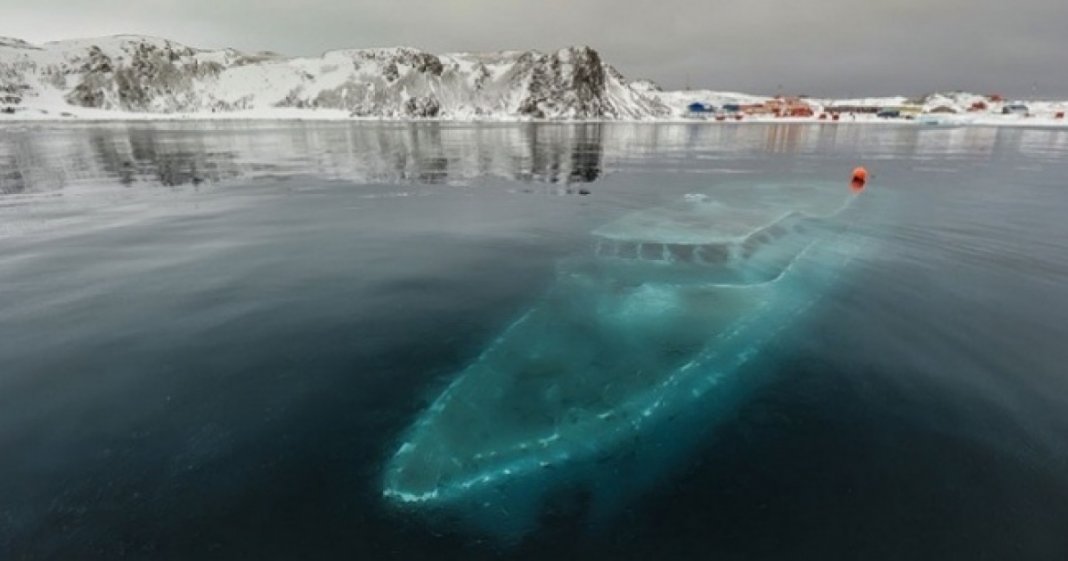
column 212, row 337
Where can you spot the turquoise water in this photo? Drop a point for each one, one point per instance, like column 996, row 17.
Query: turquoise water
column 215, row 337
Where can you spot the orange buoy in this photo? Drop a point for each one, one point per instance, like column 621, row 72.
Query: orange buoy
column 860, row 178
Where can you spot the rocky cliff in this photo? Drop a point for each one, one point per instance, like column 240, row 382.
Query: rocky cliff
column 135, row 74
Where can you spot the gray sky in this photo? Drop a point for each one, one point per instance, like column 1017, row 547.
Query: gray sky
column 817, row 47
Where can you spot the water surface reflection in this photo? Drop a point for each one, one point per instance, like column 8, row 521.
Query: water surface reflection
column 46, row 158
column 213, row 335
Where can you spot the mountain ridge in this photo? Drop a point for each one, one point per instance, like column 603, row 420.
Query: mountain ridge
column 141, row 77
column 155, row 75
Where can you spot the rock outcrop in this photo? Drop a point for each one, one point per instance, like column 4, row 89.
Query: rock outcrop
column 137, row 74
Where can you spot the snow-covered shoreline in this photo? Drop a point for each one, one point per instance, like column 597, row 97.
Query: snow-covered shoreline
column 334, row 116
column 130, row 78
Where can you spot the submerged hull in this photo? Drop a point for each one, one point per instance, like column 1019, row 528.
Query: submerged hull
column 622, row 346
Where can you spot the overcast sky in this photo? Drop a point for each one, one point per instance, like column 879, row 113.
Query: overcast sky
column 817, row 47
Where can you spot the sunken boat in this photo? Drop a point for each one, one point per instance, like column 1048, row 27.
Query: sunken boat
column 604, row 381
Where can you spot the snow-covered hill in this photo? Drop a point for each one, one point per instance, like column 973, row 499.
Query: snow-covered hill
column 139, row 77
column 130, row 74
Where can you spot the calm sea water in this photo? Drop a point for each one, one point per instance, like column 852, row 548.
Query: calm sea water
column 213, row 335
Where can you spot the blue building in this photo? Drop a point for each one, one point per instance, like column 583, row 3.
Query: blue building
column 698, row 107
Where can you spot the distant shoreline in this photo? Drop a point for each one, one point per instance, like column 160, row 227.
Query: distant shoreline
column 141, row 78
column 332, row 117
